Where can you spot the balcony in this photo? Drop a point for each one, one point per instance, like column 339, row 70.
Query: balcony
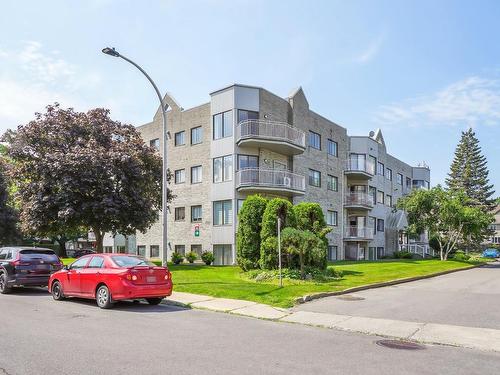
column 270, row 181
column 353, row 233
column 359, row 200
column 274, row 135
column 359, row 168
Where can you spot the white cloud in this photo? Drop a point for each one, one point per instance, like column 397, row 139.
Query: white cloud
column 371, row 51
column 469, row 102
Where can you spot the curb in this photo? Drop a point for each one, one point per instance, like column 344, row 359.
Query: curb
column 311, row 297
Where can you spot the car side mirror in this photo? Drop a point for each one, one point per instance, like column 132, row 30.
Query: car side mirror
column 66, row 267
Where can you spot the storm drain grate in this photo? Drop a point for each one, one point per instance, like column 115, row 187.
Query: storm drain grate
column 400, row 344
column 349, row 297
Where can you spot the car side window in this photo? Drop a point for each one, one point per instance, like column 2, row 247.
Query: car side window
column 3, row 254
column 80, row 263
column 96, row 262
column 9, row 254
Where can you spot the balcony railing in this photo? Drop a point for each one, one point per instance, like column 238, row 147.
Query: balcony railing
column 359, row 199
column 270, row 179
column 358, row 233
column 360, row 166
column 271, row 131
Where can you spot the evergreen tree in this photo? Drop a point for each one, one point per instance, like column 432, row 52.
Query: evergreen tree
column 469, row 172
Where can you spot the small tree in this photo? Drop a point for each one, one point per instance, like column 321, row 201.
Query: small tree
column 249, row 228
column 447, row 215
column 302, row 243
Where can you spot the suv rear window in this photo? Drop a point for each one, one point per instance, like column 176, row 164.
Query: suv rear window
column 47, row 255
column 128, row 261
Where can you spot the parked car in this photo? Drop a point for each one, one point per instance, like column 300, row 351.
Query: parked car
column 81, row 252
column 491, row 253
column 108, row 278
column 26, row 266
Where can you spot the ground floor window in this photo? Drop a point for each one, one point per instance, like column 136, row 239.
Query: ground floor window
column 372, row 253
column 108, row 249
column 120, row 249
column 141, row 250
column 180, row 249
column 380, row 252
column 155, row 251
column 223, row 255
column 332, row 252
column 196, row 249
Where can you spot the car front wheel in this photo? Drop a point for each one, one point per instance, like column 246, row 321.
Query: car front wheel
column 4, row 288
column 103, row 297
column 154, row 301
column 57, row 292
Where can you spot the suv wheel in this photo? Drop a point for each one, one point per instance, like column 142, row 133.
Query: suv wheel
column 4, row 288
column 57, row 292
column 103, row 297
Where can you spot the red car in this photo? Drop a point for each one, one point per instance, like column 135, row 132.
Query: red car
column 108, row 278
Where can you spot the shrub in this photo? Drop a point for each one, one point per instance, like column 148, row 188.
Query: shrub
column 334, row 272
column 248, row 235
column 402, row 255
column 460, row 255
column 315, row 274
column 207, row 257
column 191, row 256
column 177, row 258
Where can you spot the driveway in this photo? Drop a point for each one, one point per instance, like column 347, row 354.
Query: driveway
column 466, row 298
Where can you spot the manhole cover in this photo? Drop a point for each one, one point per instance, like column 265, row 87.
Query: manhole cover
column 348, row 297
column 399, row 344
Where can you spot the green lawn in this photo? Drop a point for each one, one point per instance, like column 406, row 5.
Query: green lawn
column 227, row 281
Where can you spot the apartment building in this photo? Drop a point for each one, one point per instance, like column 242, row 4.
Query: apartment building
column 495, row 228
column 247, row 140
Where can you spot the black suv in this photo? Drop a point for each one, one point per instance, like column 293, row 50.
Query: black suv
column 26, row 266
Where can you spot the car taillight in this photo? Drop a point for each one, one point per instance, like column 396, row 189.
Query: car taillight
column 131, row 277
column 19, row 263
column 168, row 275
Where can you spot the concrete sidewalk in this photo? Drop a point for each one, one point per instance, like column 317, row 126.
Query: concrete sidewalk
column 468, row 337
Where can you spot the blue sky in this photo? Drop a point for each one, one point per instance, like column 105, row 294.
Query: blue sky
column 422, row 71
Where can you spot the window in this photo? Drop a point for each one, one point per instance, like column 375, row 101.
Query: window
column 180, row 176
column 388, row 200
column 332, row 183
column 196, row 174
column 372, row 223
column 196, row 249
column 108, row 249
column 247, row 161
column 372, row 162
column 223, row 125
column 180, row 249
column 332, row 148
column 408, row 182
column 332, row 218
column 420, row 184
column 388, row 174
column 154, row 251
column 3, row 254
column 155, row 143
column 314, row 140
column 223, row 168
column 141, row 250
column 380, row 225
column 373, row 193
column 240, row 204
column 332, row 252
column 179, row 138
column 223, row 255
column 180, row 213
column 96, row 262
column 80, row 263
column 120, row 249
column 196, row 135
column 380, row 169
column 380, row 252
column 247, row 115
column 380, row 197
column 223, row 212
column 399, row 179
column 196, row 214
column 314, row 178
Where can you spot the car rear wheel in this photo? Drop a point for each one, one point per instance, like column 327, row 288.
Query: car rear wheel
column 103, row 297
column 4, row 288
column 57, row 292
column 154, row 301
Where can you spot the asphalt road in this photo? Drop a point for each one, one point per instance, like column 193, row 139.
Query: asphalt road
column 42, row 336
column 467, row 298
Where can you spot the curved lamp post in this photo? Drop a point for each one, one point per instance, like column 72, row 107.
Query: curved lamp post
column 114, row 53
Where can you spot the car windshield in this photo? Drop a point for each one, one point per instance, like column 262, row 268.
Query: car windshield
column 129, row 261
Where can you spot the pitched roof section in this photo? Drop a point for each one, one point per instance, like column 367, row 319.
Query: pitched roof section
column 378, row 137
column 172, row 104
column 297, row 95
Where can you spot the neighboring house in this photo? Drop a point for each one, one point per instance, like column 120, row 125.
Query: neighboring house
column 247, row 140
column 495, row 227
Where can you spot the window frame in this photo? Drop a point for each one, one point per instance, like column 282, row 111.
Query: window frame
column 183, row 170
column 379, row 221
column 183, row 134
column 380, row 193
column 178, row 209
column 223, row 125
column 310, row 177
column 334, row 215
column 223, row 204
column 388, row 173
column 196, row 206
column 201, row 174
column 240, row 156
column 200, row 128
column 332, row 142
column 154, row 142
column 223, row 168
column 380, row 169
column 247, row 111
column 313, row 134
column 330, row 178
column 399, row 179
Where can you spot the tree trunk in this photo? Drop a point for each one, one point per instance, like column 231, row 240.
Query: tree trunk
column 62, row 247
column 301, row 259
column 99, row 237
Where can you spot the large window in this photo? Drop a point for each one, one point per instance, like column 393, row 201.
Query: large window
column 332, row 183
column 388, row 174
column 314, row 178
column 372, row 162
column 380, row 197
column 388, row 200
column 314, row 140
column 180, row 139
column 408, row 183
column 223, row 168
column 373, row 193
column 180, row 249
column 197, row 249
column 372, row 223
column 380, row 225
column 180, row 213
column 154, row 250
column 332, row 148
column 332, row 252
column 247, row 115
column 380, row 169
column 141, row 250
column 223, row 125
column 196, row 214
column 247, row 161
column 399, row 179
column 155, row 143
column 332, row 218
column 223, row 212
column 223, row 255
column 180, row 176
column 196, row 135
column 196, row 173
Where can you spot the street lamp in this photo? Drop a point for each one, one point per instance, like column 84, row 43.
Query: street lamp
column 114, row 53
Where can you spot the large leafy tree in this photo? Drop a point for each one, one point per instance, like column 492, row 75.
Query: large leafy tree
column 79, row 170
column 469, row 172
column 448, row 216
column 8, row 215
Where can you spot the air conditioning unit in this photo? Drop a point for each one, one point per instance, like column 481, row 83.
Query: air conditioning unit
column 287, row 181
